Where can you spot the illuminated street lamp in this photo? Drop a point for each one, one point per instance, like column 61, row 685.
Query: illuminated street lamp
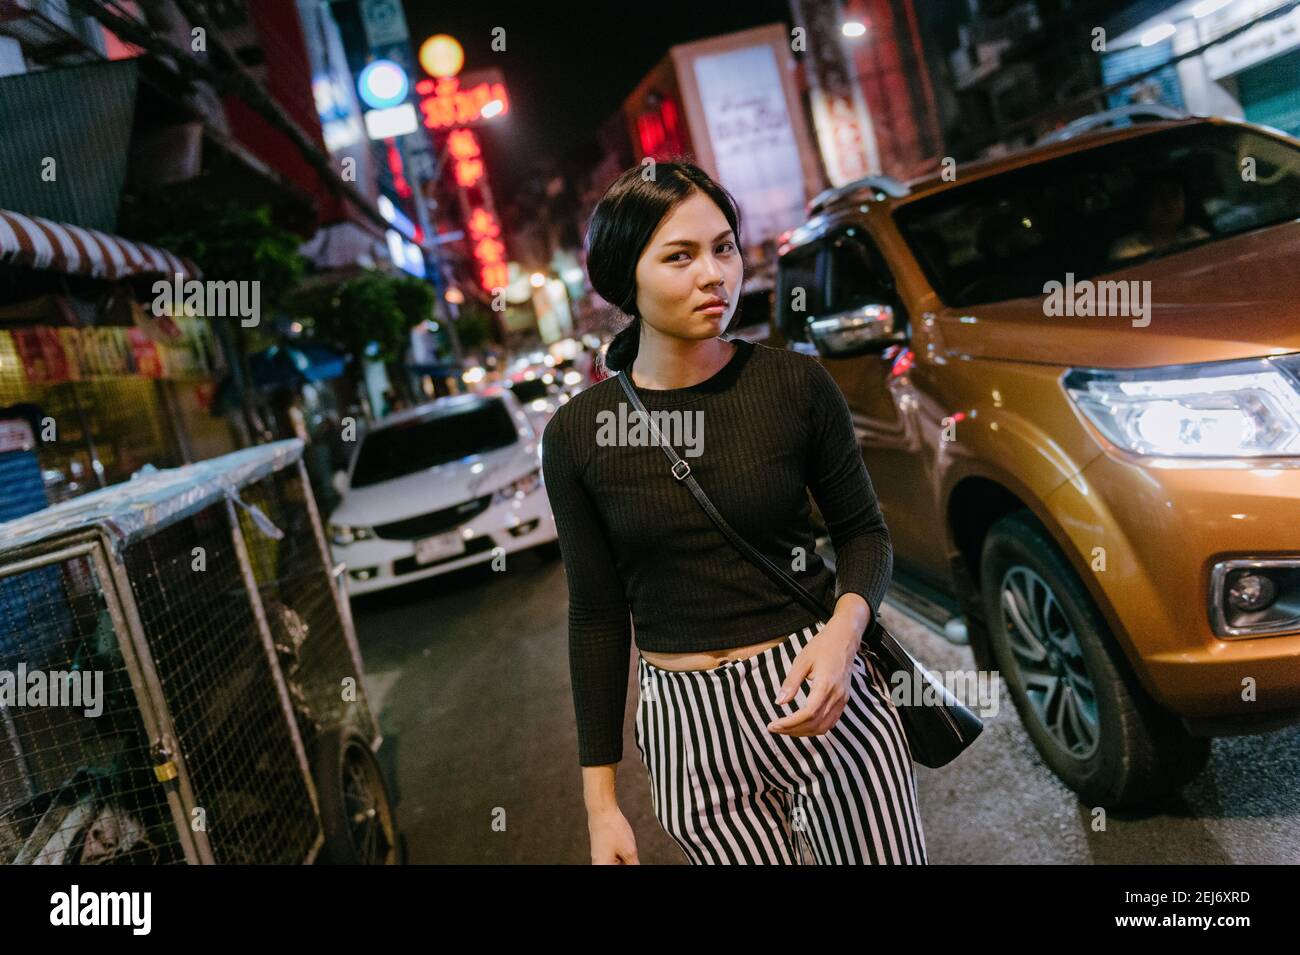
column 537, row 280
column 853, row 29
column 441, row 55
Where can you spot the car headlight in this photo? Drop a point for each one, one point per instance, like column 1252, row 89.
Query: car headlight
column 525, row 485
column 1231, row 409
column 344, row 534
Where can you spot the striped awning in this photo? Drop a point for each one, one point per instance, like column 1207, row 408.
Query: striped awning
column 38, row 243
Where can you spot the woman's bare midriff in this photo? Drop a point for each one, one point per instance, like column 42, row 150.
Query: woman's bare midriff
column 706, row 659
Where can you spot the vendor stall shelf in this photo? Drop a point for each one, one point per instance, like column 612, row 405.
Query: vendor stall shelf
column 180, row 679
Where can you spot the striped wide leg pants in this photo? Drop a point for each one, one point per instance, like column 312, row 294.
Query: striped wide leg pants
column 729, row 791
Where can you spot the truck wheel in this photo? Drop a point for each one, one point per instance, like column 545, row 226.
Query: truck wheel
column 1090, row 719
column 356, row 813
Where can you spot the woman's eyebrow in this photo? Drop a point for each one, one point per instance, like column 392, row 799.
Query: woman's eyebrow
column 691, row 243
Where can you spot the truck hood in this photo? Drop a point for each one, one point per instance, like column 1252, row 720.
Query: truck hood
column 1236, row 298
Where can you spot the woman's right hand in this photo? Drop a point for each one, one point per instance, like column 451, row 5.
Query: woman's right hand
column 612, row 839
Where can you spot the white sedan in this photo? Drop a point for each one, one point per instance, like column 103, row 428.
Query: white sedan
column 439, row 487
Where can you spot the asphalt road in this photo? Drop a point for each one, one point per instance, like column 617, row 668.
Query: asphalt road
column 469, row 674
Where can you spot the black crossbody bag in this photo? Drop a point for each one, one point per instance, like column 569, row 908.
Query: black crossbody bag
column 937, row 732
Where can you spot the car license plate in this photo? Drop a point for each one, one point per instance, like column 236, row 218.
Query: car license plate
column 433, row 548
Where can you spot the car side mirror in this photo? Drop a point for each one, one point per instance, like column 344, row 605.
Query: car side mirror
column 859, row 330
column 340, row 482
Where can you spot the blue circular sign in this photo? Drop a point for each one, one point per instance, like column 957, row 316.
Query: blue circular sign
column 382, row 84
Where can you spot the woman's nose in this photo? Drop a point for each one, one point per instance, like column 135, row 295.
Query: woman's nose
column 712, row 272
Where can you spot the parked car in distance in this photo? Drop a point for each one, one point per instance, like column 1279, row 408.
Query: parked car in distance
column 439, row 487
column 1075, row 376
column 541, row 390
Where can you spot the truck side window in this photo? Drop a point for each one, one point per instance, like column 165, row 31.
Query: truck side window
column 799, row 294
column 858, row 275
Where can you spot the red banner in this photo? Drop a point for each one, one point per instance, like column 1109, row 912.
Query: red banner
column 41, row 353
column 147, row 362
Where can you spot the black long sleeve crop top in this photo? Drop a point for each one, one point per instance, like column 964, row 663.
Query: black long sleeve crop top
column 640, row 554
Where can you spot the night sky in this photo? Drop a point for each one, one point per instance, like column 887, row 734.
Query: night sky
column 568, row 66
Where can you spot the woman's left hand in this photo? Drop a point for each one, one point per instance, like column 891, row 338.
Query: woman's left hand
column 827, row 663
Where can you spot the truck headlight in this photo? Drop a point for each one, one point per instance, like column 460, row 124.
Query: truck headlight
column 1230, row 409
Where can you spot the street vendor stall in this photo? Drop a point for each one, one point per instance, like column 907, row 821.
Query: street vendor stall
column 213, row 705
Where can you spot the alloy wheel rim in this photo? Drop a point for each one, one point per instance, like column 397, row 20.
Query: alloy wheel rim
column 1046, row 653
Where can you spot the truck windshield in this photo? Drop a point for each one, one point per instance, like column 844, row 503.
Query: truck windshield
column 400, row 449
column 1100, row 210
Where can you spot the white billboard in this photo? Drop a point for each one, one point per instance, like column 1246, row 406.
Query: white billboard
column 753, row 142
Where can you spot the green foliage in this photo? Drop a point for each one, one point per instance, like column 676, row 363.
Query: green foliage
column 473, row 327
column 226, row 240
column 373, row 307
column 230, row 241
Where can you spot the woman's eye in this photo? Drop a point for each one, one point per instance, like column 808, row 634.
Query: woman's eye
column 729, row 246
column 674, row 256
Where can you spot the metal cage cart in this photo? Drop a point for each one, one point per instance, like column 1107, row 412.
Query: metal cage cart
column 180, row 679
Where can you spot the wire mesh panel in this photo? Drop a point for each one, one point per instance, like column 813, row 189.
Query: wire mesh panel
column 220, row 689
column 298, row 594
column 77, row 784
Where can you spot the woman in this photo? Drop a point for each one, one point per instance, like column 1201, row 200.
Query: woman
column 766, row 735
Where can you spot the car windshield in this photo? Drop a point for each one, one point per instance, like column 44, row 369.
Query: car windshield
column 1101, row 210
column 421, row 443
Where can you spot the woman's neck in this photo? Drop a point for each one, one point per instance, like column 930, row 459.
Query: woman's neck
column 664, row 362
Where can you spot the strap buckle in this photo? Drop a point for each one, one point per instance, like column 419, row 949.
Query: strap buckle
column 681, row 461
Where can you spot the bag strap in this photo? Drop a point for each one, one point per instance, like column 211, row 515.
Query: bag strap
column 681, row 470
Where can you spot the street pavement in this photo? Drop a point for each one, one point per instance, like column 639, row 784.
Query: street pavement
column 469, row 674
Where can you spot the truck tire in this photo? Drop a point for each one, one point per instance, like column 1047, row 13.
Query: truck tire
column 1078, row 698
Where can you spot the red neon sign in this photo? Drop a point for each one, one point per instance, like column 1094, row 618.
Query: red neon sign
column 397, row 169
column 463, row 147
column 462, row 144
column 494, row 276
column 469, row 172
column 444, row 103
column 489, row 250
column 483, row 224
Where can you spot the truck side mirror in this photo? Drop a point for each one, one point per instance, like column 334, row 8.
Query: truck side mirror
column 859, row 330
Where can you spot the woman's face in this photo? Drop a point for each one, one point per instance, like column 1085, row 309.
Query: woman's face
column 690, row 262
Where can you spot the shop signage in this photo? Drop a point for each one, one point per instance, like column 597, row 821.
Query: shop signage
column 50, row 355
column 41, row 354
column 384, row 22
column 16, row 435
column 840, row 114
column 1261, row 42
column 466, row 100
column 753, row 141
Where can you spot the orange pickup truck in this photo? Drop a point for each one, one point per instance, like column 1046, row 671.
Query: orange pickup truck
column 1075, row 376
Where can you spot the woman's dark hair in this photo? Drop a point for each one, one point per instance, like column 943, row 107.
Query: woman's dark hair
column 621, row 225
